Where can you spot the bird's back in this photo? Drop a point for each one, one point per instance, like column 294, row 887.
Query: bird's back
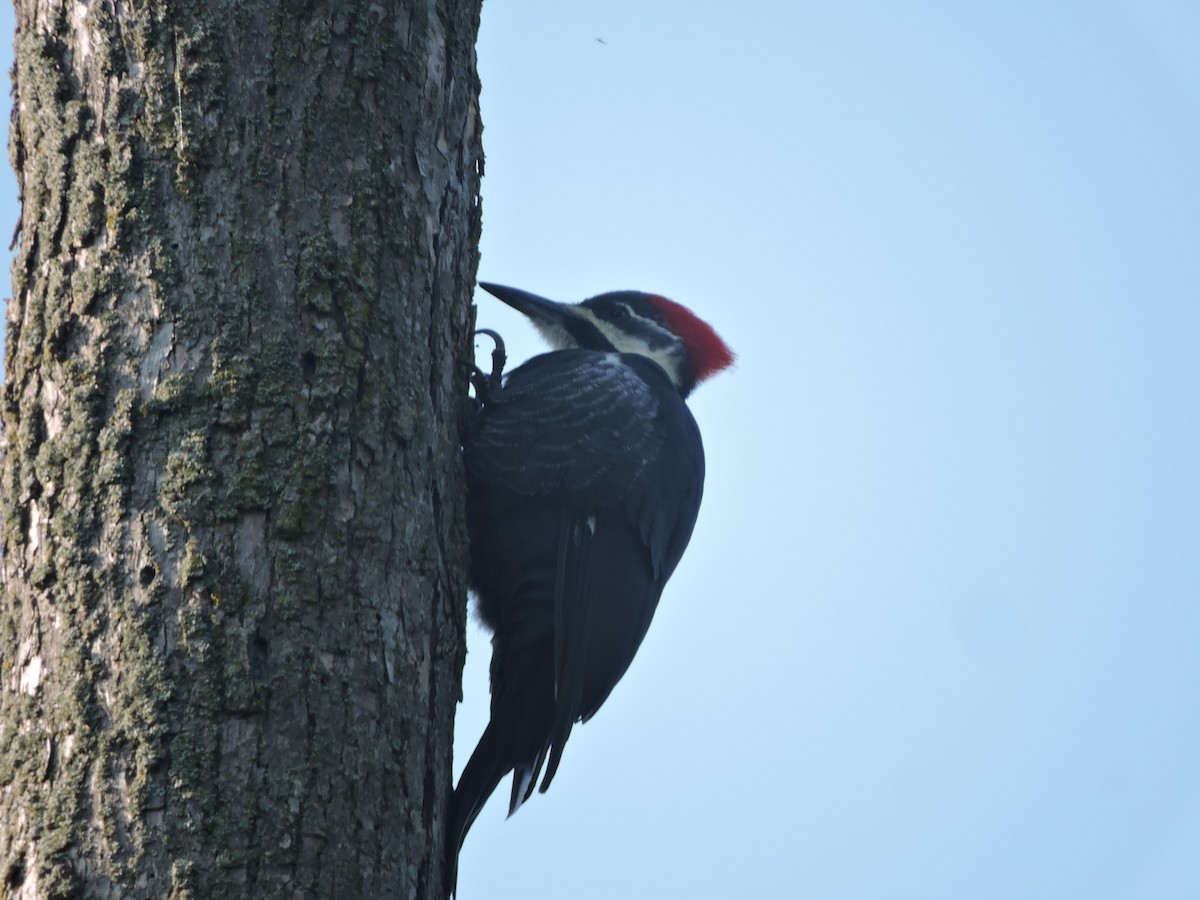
column 584, row 475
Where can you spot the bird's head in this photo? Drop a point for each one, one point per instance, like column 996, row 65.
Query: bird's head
column 684, row 345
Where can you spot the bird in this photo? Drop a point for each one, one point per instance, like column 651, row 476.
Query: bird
column 584, row 471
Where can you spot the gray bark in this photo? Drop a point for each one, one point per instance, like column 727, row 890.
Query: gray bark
column 233, row 553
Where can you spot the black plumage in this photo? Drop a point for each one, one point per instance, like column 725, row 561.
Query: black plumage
column 585, row 471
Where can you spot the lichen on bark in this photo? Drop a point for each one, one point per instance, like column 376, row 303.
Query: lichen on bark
column 233, row 555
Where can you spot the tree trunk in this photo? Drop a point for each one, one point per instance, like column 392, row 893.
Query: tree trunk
column 232, row 543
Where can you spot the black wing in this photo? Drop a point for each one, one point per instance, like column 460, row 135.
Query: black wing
column 594, row 429
column 573, row 423
column 585, row 474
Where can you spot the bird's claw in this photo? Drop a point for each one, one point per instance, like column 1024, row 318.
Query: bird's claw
column 487, row 383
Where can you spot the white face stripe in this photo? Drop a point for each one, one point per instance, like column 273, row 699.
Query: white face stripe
column 669, row 356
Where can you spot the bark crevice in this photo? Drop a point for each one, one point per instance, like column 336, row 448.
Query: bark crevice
column 232, row 615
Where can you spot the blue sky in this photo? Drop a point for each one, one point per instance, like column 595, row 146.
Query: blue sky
column 938, row 632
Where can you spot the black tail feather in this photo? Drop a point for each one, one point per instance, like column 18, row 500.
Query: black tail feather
column 515, row 741
column 479, row 779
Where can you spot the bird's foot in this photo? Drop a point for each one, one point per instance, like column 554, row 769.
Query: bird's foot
column 486, row 384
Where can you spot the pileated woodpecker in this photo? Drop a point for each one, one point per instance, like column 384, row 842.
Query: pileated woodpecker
column 584, row 474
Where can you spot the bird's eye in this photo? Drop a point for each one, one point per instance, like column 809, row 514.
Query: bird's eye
column 621, row 311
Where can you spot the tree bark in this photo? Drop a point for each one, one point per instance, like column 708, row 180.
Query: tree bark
column 233, row 552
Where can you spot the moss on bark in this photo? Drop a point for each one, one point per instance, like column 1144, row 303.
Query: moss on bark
column 232, row 620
